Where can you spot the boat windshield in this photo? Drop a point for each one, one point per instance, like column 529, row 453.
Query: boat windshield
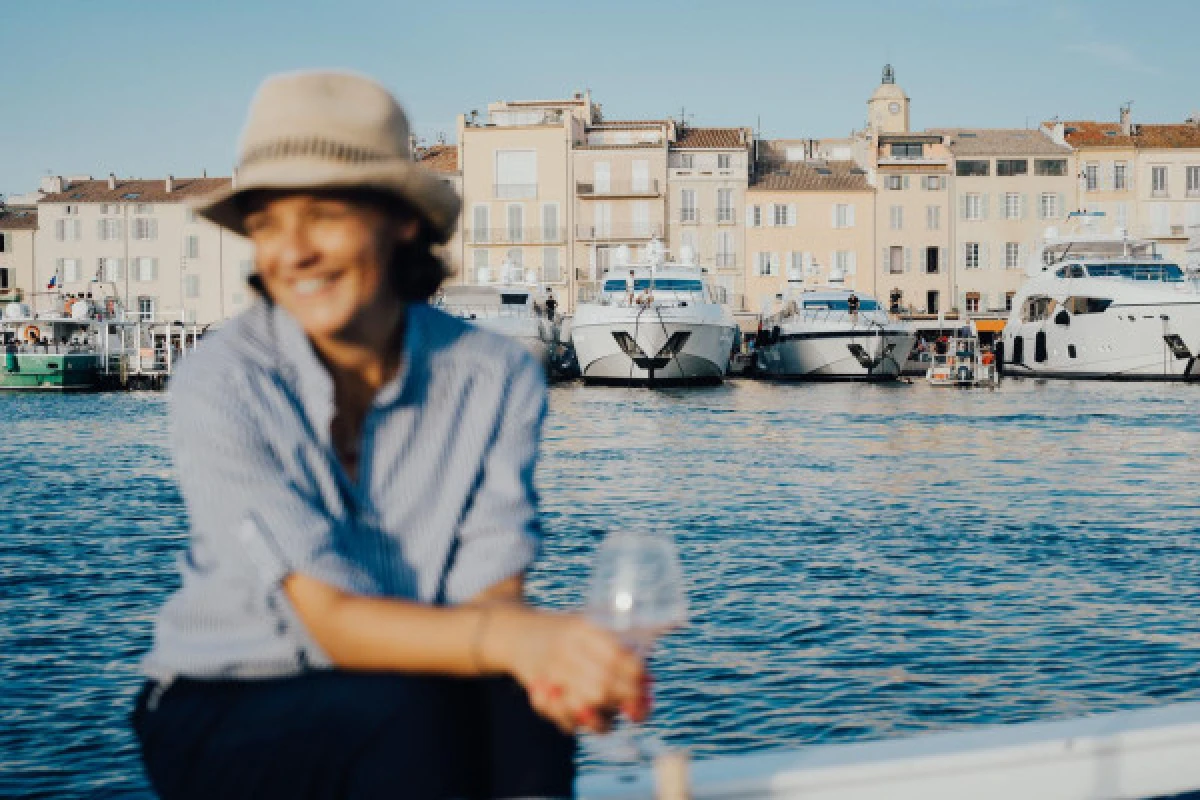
column 661, row 284
column 842, row 304
column 1165, row 273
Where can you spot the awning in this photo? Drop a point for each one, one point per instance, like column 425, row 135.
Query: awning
column 989, row 325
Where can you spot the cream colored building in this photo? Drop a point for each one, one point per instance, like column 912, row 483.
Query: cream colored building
column 443, row 159
column 1142, row 177
column 517, row 189
column 804, row 219
column 620, row 187
column 136, row 240
column 18, row 245
column 707, row 174
column 1008, row 186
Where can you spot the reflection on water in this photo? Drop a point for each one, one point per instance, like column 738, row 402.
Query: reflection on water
column 864, row 561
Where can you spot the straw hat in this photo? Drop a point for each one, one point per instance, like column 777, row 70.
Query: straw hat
column 330, row 130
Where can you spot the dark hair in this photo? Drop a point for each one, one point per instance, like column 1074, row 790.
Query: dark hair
column 416, row 271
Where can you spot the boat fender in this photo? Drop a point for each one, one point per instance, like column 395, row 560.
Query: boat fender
column 1000, row 358
column 31, row 333
column 1039, row 347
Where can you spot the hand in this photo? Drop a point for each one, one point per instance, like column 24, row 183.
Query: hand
column 577, row 674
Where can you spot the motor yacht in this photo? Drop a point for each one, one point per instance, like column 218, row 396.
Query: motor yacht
column 1103, row 306
column 654, row 322
column 833, row 333
column 511, row 309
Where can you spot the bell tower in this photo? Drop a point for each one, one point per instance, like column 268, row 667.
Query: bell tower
column 887, row 110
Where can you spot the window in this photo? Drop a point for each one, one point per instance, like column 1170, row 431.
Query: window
column 907, row 150
column 191, row 286
column 780, row 215
column 1008, row 300
column 973, row 206
column 516, row 257
column 843, row 215
column 68, row 268
column 192, row 246
column 932, row 260
column 1091, row 176
column 1121, row 214
column 190, row 216
column 1193, row 181
column 145, row 229
column 971, row 255
column 68, row 230
column 1012, row 255
column 1007, row 167
column 106, row 208
column 1055, row 167
column 516, row 222
column 753, row 216
column 893, row 182
column 895, row 260
column 844, row 262
column 687, row 246
column 972, row 302
column 479, row 261
column 479, row 219
column 896, row 217
column 684, row 161
column 551, row 269
column 108, row 230
column 516, row 174
column 5, row 281
column 143, row 208
column 725, row 249
column 764, row 263
column 687, row 205
column 145, row 269
column 641, row 218
column 146, row 308
column 550, row 223
column 725, row 205
column 932, row 302
column 641, row 175
column 602, row 219
column 1048, row 206
column 972, row 168
column 1120, row 172
column 1012, row 205
column 933, row 218
column 71, row 210
column 933, row 182
column 1158, row 181
column 724, row 161
column 110, row 269
column 601, row 177
column 1087, row 305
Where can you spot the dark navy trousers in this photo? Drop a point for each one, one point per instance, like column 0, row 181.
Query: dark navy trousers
column 333, row 734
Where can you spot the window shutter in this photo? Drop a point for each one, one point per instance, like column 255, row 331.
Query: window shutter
column 102, row 229
column 770, row 215
column 885, row 264
column 791, row 214
column 1062, row 205
column 962, row 256
column 983, row 205
column 1023, row 209
column 853, row 262
column 962, row 207
column 833, row 220
column 60, row 227
column 154, row 269
column 943, row 260
column 850, row 216
column 749, row 216
column 908, row 259
column 774, row 263
column 985, row 256
column 905, row 182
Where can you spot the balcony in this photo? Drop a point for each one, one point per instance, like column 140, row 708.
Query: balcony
column 515, row 235
column 725, row 260
column 517, row 119
column 901, row 161
column 617, row 233
column 514, row 191
column 618, row 189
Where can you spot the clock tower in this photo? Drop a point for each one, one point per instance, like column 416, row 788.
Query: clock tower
column 887, row 110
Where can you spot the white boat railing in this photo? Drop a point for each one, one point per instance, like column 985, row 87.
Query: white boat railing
column 1150, row 753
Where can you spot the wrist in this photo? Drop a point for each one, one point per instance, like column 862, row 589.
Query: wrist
column 495, row 650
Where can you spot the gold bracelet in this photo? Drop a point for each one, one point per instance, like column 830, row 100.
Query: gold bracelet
column 477, row 640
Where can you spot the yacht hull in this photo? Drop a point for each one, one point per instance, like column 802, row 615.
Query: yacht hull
column 535, row 335
column 652, row 351
column 849, row 355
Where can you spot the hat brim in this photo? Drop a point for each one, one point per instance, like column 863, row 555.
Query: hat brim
column 431, row 195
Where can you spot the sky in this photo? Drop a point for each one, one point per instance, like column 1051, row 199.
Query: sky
column 146, row 89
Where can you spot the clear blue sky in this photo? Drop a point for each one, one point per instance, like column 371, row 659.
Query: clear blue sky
column 149, row 88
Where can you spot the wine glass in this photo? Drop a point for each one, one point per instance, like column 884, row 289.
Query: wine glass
column 637, row 591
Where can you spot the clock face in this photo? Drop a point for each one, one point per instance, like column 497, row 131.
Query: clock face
column 894, row 108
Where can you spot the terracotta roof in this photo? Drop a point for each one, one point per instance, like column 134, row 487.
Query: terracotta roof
column 440, row 158
column 18, row 218
column 1000, row 142
column 147, row 191
column 809, row 176
column 711, row 138
column 1088, row 133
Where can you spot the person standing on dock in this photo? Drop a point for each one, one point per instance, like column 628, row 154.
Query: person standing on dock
column 358, row 468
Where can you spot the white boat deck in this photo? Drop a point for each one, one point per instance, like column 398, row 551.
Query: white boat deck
column 1150, row 753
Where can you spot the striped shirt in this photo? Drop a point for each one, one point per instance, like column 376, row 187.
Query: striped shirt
column 442, row 508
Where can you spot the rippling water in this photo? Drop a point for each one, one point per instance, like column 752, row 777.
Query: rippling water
column 864, row 561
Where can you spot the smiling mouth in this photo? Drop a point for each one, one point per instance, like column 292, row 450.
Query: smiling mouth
column 310, row 286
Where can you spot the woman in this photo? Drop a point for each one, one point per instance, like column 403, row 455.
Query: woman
column 357, row 469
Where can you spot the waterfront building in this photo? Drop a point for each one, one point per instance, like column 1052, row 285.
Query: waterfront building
column 137, row 240
column 443, row 159
column 18, row 228
column 620, row 188
column 516, row 177
column 803, row 220
column 708, row 171
column 1144, row 178
column 1008, row 186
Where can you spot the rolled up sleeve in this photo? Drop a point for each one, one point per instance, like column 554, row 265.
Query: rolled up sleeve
column 499, row 536
column 238, row 495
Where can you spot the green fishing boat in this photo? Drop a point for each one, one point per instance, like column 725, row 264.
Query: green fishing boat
column 49, row 352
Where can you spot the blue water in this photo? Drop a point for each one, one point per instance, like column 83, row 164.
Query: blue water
column 864, row 561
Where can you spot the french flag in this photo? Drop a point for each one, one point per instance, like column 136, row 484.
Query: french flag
column 53, row 282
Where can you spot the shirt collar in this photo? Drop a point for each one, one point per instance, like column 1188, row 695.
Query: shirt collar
column 303, row 368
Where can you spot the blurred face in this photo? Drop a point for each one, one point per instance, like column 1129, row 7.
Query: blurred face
column 324, row 260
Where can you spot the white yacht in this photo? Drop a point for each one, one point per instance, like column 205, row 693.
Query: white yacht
column 833, row 333
column 509, row 309
column 1103, row 306
column 655, row 322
